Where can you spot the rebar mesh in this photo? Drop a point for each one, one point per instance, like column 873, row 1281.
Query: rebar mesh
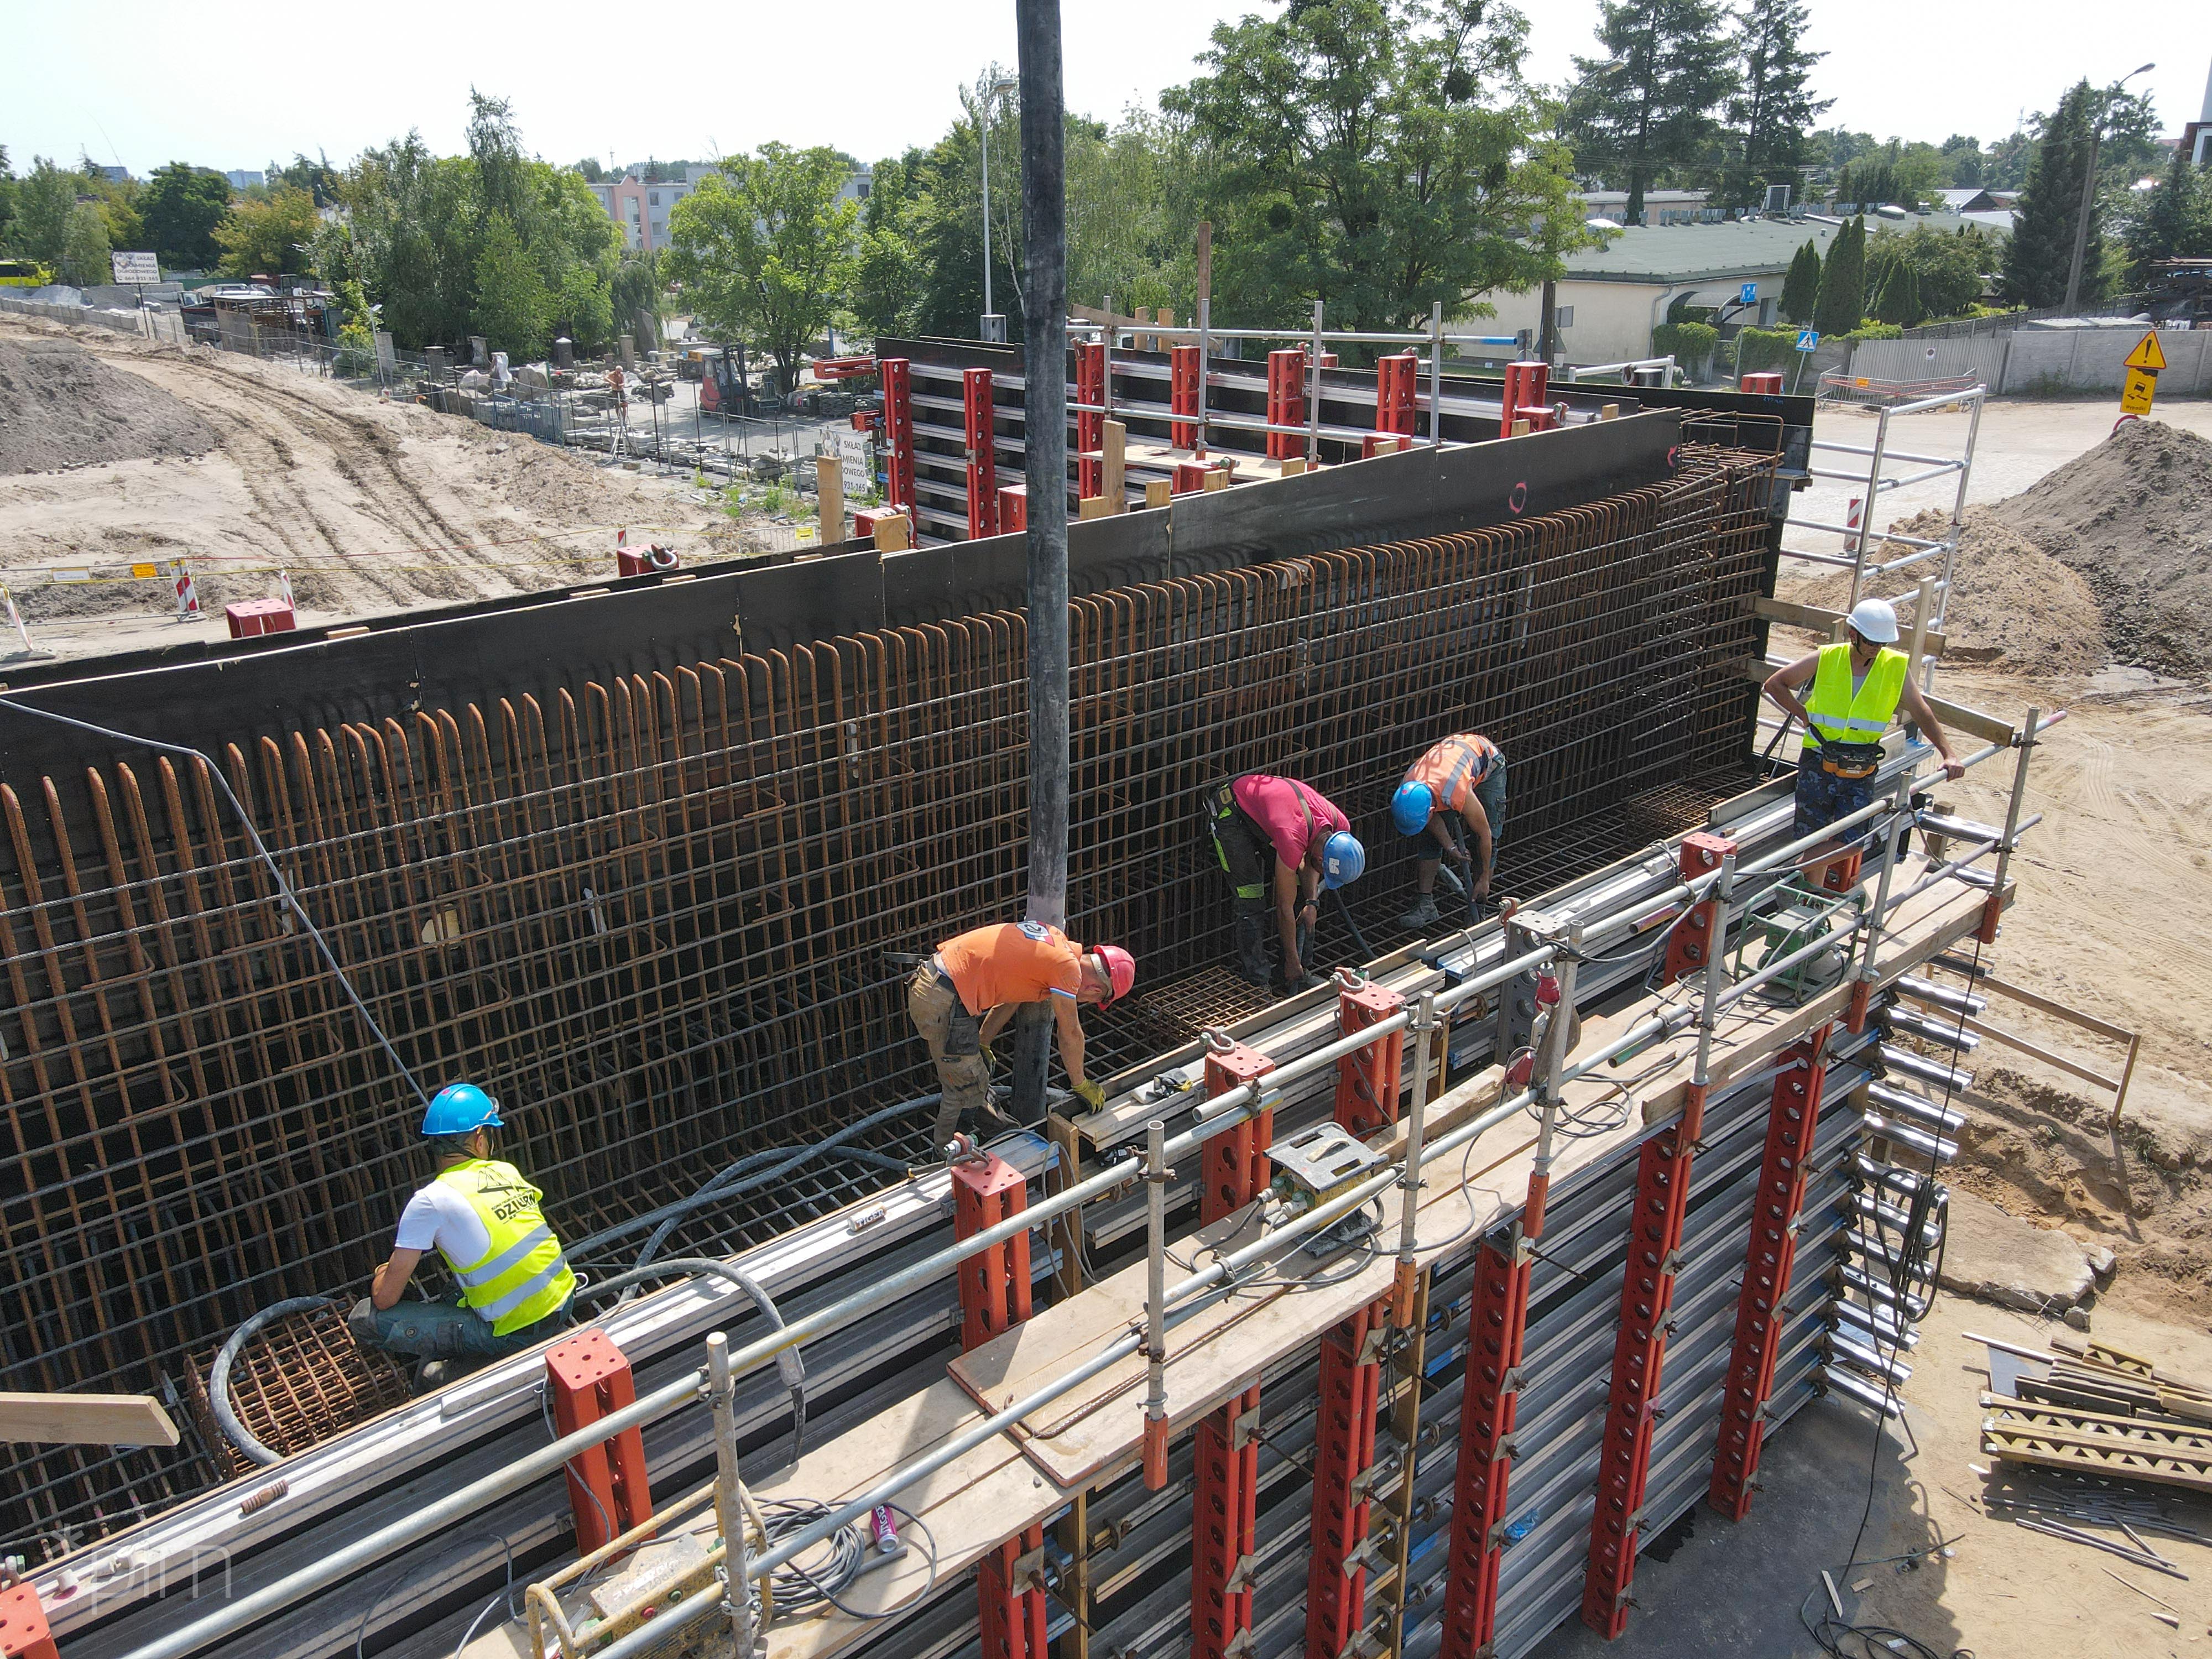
column 657, row 916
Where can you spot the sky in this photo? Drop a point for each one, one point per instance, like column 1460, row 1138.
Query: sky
column 147, row 85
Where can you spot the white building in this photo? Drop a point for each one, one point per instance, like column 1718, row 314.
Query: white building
column 640, row 206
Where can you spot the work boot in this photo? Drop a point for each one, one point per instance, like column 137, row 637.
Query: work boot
column 1252, row 964
column 432, row 1374
column 1424, row 914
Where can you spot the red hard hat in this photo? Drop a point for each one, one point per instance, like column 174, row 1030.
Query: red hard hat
column 1120, row 972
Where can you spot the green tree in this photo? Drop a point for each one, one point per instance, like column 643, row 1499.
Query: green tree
column 1802, row 286
column 1647, row 106
column 44, row 201
column 887, row 276
column 1379, row 155
column 1841, row 301
column 1896, row 292
column 317, row 177
column 85, row 247
column 2041, row 248
column 271, row 236
column 1949, row 268
column 7, row 200
column 180, row 206
column 1963, row 161
column 765, row 250
column 589, row 169
column 513, row 308
column 2175, row 222
column 636, row 286
column 1774, row 109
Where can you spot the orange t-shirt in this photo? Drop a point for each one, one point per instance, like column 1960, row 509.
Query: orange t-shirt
column 1012, row 961
column 1454, row 767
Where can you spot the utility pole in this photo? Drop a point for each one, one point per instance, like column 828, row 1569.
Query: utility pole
column 2089, row 184
column 995, row 325
column 1044, row 413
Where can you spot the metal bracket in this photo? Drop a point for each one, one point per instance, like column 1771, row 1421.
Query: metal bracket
column 1369, row 1555
column 1372, row 1346
column 1239, row 1646
column 1245, row 1575
column 1028, row 1569
column 1243, row 1429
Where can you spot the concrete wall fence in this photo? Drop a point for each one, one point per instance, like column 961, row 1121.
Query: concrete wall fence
column 2031, row 361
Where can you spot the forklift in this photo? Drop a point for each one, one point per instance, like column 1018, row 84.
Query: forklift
column 724, row 388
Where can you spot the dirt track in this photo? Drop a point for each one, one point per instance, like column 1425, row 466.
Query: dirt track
column 369, row 507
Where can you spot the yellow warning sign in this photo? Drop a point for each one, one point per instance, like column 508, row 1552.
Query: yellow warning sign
column 144, row 570
column 2135, row 395
column 2147, row 353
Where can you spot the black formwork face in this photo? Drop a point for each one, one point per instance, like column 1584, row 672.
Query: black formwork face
column 663, row 910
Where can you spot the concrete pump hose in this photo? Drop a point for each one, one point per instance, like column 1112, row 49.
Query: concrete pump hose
column 219, row 1376
column 787, row 1363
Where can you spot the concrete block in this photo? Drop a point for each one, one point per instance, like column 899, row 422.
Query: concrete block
column 2000, row 1258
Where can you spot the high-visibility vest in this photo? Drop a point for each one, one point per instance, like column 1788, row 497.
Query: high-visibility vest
column 1835, row 715
column 1454, row 767
column 523, row 1276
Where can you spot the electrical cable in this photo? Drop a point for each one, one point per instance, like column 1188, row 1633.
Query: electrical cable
column 415, row 1570
column 852, row 1552
column 253, row 835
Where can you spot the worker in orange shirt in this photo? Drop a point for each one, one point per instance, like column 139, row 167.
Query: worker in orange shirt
column 964, row 995
column 1456, row 791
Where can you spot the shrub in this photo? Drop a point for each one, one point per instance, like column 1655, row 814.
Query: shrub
column 1759, row 350
column 1690, row 344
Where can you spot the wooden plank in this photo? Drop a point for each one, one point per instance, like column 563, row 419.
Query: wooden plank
column 85, row 1419
column 2056, row 1009
column 1957, row 717
column 1818, row 619
column 2035, row 1051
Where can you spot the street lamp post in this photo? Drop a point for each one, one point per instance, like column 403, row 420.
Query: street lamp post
column 2089, row 186
column 995, row 325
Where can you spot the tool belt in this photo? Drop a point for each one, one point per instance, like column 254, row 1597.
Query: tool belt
column 1849, row 761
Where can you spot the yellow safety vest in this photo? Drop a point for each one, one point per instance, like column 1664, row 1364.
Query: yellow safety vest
column 523, row 1276
column 1835, row 715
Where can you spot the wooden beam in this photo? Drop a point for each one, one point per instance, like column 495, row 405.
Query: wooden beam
column 1817, row 619
column 830, row 494
column 1113, row 483
column 85, row 1419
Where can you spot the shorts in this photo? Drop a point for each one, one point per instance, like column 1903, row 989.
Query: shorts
column 1491, row 792
column 1822, row 796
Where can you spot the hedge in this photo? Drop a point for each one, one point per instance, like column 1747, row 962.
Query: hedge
column 1764, row 349
column 1690, row 344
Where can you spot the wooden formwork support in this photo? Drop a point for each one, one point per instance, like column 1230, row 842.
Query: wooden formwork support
column 1405, row 1381
column 1759, row 1313
column 1348, row 1398
column 1498, row 1317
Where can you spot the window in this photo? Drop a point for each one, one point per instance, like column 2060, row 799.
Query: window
column 1564, row 317
column 656, row 199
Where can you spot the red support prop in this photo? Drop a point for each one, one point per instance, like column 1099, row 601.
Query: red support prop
column 994, row 1284
column 980, row 418
column 1367, row 1078
column 1691, row 945
column 1013, row 510
column 1224, row 1525
column 1011, row 1615
column 590, row 1378
column 1760, row 1312
column 1525, row 385
column 898, row 430
column 23, row 1632
column 1640, row 1353
column 1090, row 429
column 1189, row 477
column 1350, row 1394
column 1235, row 1164
column 1287, row 399
column 1767, row 384
column 1182, row 394
column 1397, row 381
column 1842, row 875
column 1498, row 1317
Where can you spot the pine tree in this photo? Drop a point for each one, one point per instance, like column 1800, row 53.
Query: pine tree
column 2176, row 223
column 1647, row 105
column 1802, row 286
column 1773, row 110
column 1842, row 300
column 1896, row 293
column 2041, row 248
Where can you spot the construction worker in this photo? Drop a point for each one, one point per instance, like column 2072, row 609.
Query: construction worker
column 1857, row 685
column 963, row 995
column 1456, row 790
column 483, row 1219
column 1260, row 816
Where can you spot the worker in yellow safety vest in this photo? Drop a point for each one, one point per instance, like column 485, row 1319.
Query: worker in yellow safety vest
column 1857, row 686
column 485, row 1219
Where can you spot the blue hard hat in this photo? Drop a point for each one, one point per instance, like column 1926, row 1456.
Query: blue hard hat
column 458, row 1107
column 1411, row 806
column 1342, row 859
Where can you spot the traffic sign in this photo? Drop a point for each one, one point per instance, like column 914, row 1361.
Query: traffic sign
column 2147, row 354
column 1806, row 339
column 2140, row 386
column 1749, row 293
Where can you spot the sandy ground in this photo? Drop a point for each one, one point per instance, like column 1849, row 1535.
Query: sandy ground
column 369, row 507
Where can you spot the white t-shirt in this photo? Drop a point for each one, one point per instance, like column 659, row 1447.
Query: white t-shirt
column 438, row 1218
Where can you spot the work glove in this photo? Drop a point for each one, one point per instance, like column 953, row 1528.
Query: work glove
column 1091, row 1094
column 990, row 1059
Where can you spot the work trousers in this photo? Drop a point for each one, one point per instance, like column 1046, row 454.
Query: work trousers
column 1244, row 851
column 955, row 1048
column 445, row 1330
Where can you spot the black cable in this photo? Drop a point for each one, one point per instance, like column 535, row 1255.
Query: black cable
column 852, row 1552
column 252, row 835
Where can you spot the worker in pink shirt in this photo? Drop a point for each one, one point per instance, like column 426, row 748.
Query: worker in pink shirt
column 1259, row 819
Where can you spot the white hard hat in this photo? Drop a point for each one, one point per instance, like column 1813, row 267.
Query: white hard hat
column 1876, row 620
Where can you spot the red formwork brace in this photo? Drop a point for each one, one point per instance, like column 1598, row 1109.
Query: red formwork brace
column 1090, row 429
column 994, row 1296
column 590, row 1379
column 1013, row 510
column 1367, row 1078
column 1348, row 1398
column 1842, row 875
column 1640, row 1353
column 23, row 1632
column 1397, row 383
column 250, row 618
column 1759, row 1313
column 981, row 426
column 1224, row 1522
column 898, row 430
column 1189, row 477
column 1182, row 394
column 1767, row 384
column 1496, row 1323
column 1695, row 939
column 1525, row 385
column 1287, row 399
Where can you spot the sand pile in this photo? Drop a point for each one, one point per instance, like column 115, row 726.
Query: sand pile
column 62, row 407
column 2133, row 516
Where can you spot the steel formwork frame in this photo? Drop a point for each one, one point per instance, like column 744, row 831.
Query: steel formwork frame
column 1367, row 1081
column 980, row 419
column 897, row 380
column 1346, row 1405
column 1090, row 420
column 1497, row 1315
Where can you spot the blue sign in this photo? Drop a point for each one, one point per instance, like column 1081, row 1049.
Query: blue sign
column 1806, row 339
column 1749, row 293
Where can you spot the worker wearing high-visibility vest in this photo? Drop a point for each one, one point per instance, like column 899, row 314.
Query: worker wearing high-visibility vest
column 963, row 996
column 485, row 1219
column 1312, row 847
column 1857, row 686
column 1454, row 791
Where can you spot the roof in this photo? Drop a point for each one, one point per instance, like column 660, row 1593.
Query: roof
column 1652, row 198
column 1728, row 252
column 1976, row 200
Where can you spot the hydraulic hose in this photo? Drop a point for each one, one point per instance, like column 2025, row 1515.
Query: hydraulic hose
column 219, row 1377
column 788, row 1362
